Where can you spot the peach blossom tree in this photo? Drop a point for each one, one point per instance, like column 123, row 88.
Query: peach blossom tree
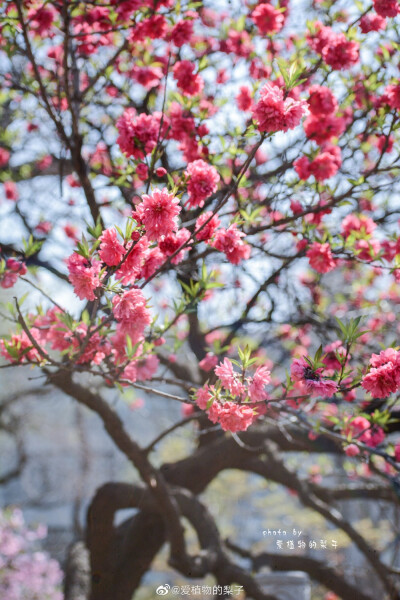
column 217, row 187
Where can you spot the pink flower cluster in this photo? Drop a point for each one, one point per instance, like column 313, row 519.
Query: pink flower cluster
column 335, row 49
column 14, row 268
column 274, row 112
column 267, row 18
column 387, row 8
column 372, row 22
column 230, row 242
column 131, row 312
column 171, row 243
column 202, row 182
column 158, row 213
column 383, row 377
column 231, row 409
column 138, row 134
column 111, row 250
column 320, row 257
column 26, row 573
column 325, row 165
column 84, row 275
column 189, row 82
column 322, row 128
column 360, row 429
column 357, row 224
column 321, row 100
column 312, row 380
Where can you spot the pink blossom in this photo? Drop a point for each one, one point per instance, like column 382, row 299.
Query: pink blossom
column 182, row 122
column 367, row 249
column 302, row 167
column 203, row 396
column 372, row 22
column 26, row 572
column 147, row 367
column 138, row 134
column 230, row 242
column 273, row 112
column 130, row 307
column 4, row 157
column 153, row 259
column 315, row 385
column 340, row 53
column 357, row 224
column 360, row 429
column 14, row 268
column 326, row 164
column 158, row 212
column 229, row 379
column 111, row 250
column 244, row 99
column 188, row 82
column 384, row 143
column 231, row 416
column 41, row 19
column 352, row 450
column 84, row 275
column 383, row 377
column 261, row 378
column 397, row 453
column 320, row 38
column 332, row 351
column 321, row 100
column 11, row 191
column 172, row 242
column 320, row 257
column 392, row 93
column 237, row 42
column 207, row 230
column 387, row 8
column 203, row 181
column 267, row 18
column 208, row 362
column 323, row 128
column 136, row 253
column 20, row 349
column 181, row 33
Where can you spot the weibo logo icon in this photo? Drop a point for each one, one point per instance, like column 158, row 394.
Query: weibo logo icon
column 163, row 590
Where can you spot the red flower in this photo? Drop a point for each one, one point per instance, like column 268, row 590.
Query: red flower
column 188, row 82
column 84, row 275
column 320, row 257
column 172, row 242
column 372, row 22
column 158, row 213
column 273, row 112
column 384, row 376
column 208, row 230
column 229, row 241
column 111, row 251
column 244, row 99
column 181, row 33
column 323, row 128
column 203, row 181
column 387, row 8
column 267, row 18
column 321, row 100
column 326, row 164
column 11, row 191
column 340, row 53
column 138, row 134
column 315, row 385
column 392, row 93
